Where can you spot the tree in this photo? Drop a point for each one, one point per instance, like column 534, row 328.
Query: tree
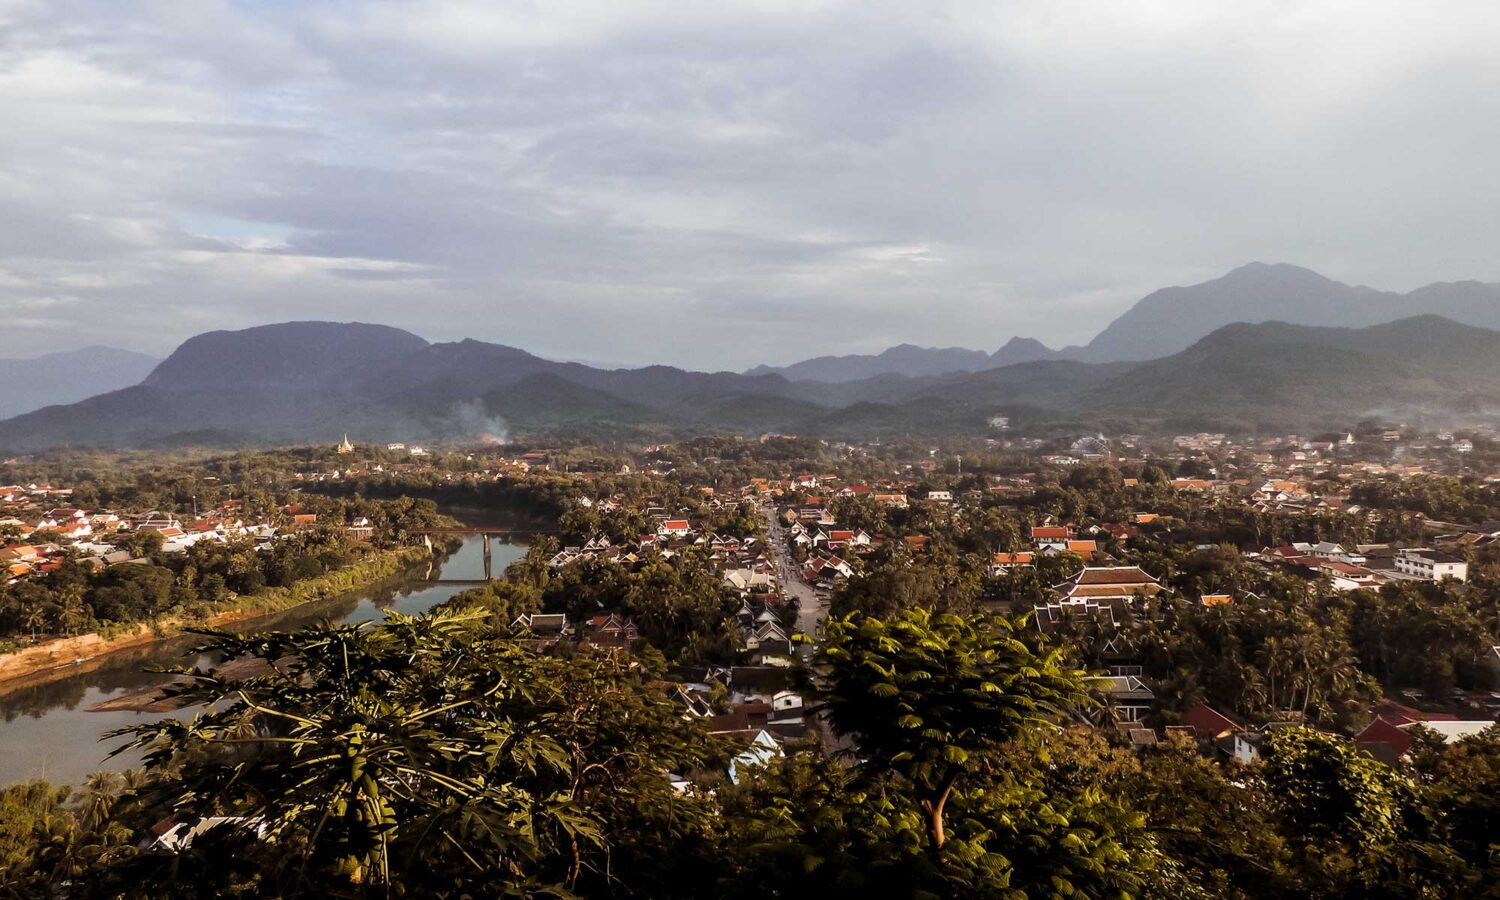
column 424, row 753
column 502, row 600
column 1339, row 808
column 928, row 695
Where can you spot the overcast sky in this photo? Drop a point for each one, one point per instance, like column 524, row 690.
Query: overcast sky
column 714, row 184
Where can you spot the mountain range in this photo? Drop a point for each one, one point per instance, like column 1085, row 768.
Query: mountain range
column 1200, row 356
column 68, row 377
column 1172, row 319
column 300, row 382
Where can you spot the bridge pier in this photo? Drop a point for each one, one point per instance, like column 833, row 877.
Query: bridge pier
column 488, row 559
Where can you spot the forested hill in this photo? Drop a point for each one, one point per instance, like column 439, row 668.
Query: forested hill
column 315, row 381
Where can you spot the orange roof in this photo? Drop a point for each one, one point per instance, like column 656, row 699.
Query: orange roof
column 1124, row 575
column 1014, row 559
column 1082, row 546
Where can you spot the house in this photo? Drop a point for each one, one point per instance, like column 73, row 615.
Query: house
column 1126, row 697
column 75, row 529
column 1431, row 565
column 1103, row 583
column 1243, row 746
column 827, row 569
column 749, row 581
column 1207, row 723
column 674, row 528
column 743, row 719
column 1004, row 563
column 20, row 553
column 1051, row 616
column 612, row 630
column 1329, row 550
column 1347, row 577
column 1104, row 594
column 1397, row 738
column 763, row 748
column 838, row 539
column 1050, row 537
column 768, row 637
column 786, row 707
column 543, row 625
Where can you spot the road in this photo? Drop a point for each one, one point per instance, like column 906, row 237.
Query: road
column 810, row 612
column 810, row 615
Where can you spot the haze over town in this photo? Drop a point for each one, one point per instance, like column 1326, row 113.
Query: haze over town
column 722, row 185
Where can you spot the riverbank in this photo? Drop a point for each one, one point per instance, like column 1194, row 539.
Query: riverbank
column 64, row 656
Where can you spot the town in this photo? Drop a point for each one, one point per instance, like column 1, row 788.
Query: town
column 1099, row 542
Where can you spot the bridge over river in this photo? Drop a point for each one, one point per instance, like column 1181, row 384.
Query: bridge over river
column 488, row 535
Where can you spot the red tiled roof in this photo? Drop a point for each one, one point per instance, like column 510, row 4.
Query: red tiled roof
column 1383, row 732
column 1207, row 722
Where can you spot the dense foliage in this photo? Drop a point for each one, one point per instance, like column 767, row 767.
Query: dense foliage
column 439, row 756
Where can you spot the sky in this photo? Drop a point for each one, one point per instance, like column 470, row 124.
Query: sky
column 717, row 185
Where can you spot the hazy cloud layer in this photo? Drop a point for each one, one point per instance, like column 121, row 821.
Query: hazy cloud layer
column 716, row 184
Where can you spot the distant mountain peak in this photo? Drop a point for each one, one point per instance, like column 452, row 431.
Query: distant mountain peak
column 1280, row 272
column 286, row 353
column 1022, row 350
column 1171, row 319
column 68, row 376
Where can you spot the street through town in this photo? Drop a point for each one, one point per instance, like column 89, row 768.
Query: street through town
column 810, row 612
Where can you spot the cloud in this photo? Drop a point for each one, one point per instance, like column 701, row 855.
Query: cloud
column 718, row 185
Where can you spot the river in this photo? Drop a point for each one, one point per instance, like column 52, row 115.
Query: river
column 46, row 730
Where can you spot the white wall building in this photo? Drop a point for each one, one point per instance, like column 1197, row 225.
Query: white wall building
column 1431, row 565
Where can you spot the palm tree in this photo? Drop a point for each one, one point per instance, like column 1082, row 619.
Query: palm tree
column 34, row 617
column 72, row 614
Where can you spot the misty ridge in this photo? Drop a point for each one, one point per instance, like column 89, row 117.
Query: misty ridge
column 1264, row 348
